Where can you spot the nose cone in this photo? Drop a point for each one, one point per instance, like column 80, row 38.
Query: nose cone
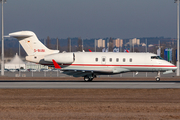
column 173, row 67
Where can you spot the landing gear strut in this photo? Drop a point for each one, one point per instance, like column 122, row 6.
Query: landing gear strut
column 158, row 76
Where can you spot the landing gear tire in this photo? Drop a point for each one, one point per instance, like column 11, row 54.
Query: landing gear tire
column 158, row 76
column 87, row 79
column 157, row 79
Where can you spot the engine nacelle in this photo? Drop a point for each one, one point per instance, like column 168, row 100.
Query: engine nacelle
column 33, row 58
column 63, row 58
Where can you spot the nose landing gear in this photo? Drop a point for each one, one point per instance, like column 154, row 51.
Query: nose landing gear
column 158, row 76
column 157, row 79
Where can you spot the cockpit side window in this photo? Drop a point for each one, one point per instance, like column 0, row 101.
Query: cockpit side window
column 156, row 57
column 153, row 57
column 160, row 58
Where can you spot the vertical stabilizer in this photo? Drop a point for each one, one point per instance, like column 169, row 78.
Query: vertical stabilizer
column 31, row 44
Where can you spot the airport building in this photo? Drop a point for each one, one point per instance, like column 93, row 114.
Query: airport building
column 38, row 67
column 15, row 63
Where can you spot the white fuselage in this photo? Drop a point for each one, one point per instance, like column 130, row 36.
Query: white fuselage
column 112, row 62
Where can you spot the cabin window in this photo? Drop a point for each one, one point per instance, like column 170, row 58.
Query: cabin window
column 103, row 59
column 117, row 59
column 96, row 59
column 110, row 59
column 124, row 60
column 130, row 60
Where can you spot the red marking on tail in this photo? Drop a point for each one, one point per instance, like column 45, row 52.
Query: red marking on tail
column 56, row 64
column 90, row 50
column 127, row 51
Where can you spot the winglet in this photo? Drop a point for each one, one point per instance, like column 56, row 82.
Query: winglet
column 127, row 51
column 90, row 50
column 55, row 64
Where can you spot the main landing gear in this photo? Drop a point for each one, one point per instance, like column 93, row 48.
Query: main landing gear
column 89, row 78
column 158, row 76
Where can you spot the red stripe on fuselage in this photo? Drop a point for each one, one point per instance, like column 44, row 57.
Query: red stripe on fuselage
column 93, row 65
column 122, row 65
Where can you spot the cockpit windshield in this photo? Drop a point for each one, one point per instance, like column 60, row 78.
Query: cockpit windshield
column 156, row 57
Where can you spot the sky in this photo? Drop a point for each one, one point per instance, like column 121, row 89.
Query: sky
column 92, row 18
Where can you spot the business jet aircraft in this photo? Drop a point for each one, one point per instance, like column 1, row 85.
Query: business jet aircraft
column 91, row 64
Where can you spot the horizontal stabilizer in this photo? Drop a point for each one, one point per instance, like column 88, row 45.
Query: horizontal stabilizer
column 21, row 34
